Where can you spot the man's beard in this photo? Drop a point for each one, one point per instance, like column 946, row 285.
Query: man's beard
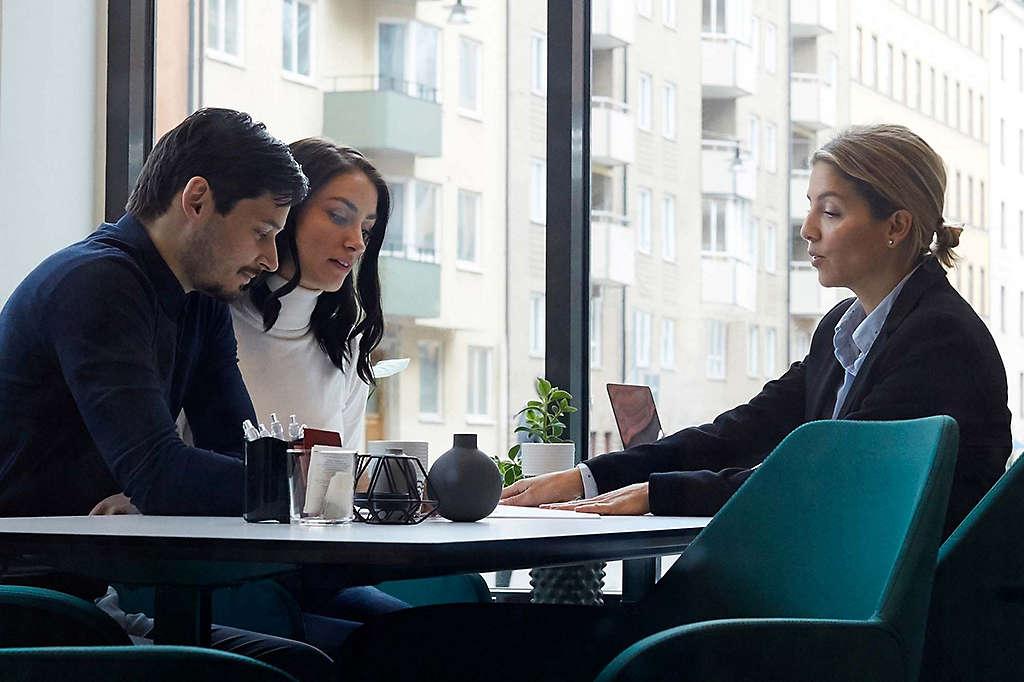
column 199, row 261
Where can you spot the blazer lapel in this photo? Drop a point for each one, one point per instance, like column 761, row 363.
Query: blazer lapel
column 928, row 275
column 827, row 373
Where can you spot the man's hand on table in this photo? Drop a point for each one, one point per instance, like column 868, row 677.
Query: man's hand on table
column 115, row 504
column 632, row 500
column 559, row 486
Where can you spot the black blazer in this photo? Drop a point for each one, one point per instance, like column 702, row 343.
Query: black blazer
column 932, row 356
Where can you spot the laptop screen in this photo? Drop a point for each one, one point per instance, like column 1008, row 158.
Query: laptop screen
column 635, row 414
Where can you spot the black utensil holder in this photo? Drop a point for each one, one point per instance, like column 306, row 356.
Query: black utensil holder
column 266, row 481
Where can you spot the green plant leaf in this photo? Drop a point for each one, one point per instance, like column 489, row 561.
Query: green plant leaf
column 570, row 409
column 543, row 387
column 559, row 394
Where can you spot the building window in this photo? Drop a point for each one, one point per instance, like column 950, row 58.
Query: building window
column 415, row 219
column 918, row 85
column 668, row 13
column 932, row 106
column 754, row 139
column 970, row 284
column 408, row 58
column 643, row 219
column 904, row 71
column 297, row 37
column 470, row 85
column 858, row 48
column 1002, row 141
column 768, row 248
column 769, row 47
column 770, row 147
column 1020, row 315
column 668, row 228
column 1002, row 224
column 753, row 349
column 596, row 323
column 1002, row 309
column 957, row 104
column 668, row 126
column 537, row 324
column 970, row 111
column 755, row 39
column 641, row 339
column 873, row 63
column 832, row 70
column 478, row 388
column 668, row 343
column 1020, row 394
column 713, row 16
column 469, row 227
column 538, row 191
column 224, row 30
column 644, row 8
column 982, row 288
column 945, row 99
column 643, row 104
column 769, row 352
column 430, row 380
column 716, row 349
column 714, row 225
column 539, row 64
column 885, row 71
column 1002, row 57
column 1020, row 150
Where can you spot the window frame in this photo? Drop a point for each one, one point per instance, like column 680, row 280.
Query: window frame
column 218, row 53
column 291, row 72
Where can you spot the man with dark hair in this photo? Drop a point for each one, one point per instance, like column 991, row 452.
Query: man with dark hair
column 107, row 340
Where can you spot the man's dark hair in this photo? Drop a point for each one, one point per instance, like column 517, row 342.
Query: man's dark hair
column 237, row 156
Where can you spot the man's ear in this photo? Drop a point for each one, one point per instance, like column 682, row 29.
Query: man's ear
column 900, row 224
column 197, row 198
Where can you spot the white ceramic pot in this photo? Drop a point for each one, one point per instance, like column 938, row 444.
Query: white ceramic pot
column 544, row 458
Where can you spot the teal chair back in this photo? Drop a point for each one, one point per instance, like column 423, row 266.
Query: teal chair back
column 976, row 619
column 842, row 521
column 149, row 663
column 33, row 616
column 462, row 588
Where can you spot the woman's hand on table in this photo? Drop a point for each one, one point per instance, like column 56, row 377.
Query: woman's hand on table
column 554, row 487
column 115, row 504
column 632, row 500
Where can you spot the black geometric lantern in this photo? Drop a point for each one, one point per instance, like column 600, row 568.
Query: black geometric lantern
column 391, row 488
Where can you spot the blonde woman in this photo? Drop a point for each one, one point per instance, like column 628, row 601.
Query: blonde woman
column 906, row 346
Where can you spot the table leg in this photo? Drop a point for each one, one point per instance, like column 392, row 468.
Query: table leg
column 638, row 576
column 182, row 616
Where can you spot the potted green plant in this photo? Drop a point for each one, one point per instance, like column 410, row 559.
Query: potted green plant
column 544, row 427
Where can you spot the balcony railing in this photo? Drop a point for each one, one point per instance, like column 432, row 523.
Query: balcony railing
column 798, row 179
column 613, row 23
column 383, row 83
column 726, row 169
column 813, row 101
column 612, row 132
column 810, row 18
column 380, row 113
column 612, row 249
column 727, row 67
column 725, row 278
column 807, row 296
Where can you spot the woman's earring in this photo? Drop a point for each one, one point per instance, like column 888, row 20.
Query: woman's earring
column 891, row 242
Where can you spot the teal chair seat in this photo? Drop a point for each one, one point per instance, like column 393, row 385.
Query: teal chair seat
column 148, row 663
column 976, row 619
column 33, row 616
column 818, row 568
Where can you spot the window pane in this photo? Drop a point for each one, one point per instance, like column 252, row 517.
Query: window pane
column 426, row 220
column 231, row 27
column 288, row 35
column 426, row 62
column 394, row 238
column 391, row 56
column 469, row 225
column 469, row 67
column 214, row 25
column 304, row 40
column 430, row 375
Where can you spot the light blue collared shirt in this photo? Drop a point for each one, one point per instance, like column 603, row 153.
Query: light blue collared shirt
column 856, row 334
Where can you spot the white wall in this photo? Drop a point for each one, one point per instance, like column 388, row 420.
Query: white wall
column 47, row 127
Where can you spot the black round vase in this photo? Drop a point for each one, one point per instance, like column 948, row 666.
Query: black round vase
column 464, row 481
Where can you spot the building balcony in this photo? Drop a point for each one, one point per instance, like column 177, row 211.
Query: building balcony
column 612, row 132
column 813, row 102
column 806, row 296
column 728, row 279
column 612, row 249
column 410, row 286
column 727, row 170
column 811, row 18
column 727, row 67
column 798, row 179
column 378, row 114
column 613, row 23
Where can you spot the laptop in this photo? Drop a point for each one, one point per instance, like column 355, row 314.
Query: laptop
column 635, row 414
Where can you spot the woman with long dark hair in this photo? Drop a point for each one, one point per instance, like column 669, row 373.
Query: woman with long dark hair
column 306, row 331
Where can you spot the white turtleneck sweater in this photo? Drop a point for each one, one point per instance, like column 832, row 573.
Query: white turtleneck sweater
column 287, row 373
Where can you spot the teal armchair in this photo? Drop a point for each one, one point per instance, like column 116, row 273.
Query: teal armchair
column 33, row 616
column 818, row 568
column 149, row 663
column 976, row 619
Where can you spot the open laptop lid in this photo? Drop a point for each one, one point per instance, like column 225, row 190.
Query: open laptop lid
column 635, row 414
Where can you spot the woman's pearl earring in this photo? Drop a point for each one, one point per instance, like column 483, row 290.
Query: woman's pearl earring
column 891, row 242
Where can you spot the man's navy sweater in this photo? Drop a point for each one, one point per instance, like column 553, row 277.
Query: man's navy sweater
column 100, row 349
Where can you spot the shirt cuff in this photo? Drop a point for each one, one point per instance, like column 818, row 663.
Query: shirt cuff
column 589, row 482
